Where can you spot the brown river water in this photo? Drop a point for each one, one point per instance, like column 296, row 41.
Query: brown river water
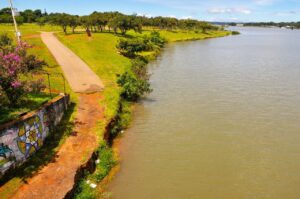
column 223, row 122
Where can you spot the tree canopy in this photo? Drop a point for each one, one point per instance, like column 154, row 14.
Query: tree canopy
column 100, row 21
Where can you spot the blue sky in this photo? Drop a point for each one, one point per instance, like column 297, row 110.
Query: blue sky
column 210, row 10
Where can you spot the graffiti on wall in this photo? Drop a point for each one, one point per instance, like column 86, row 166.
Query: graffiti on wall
column 21, row 140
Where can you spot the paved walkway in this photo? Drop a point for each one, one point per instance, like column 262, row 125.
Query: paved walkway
column 81, row 78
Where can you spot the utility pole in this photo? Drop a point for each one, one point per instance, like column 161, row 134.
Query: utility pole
column 18, row 34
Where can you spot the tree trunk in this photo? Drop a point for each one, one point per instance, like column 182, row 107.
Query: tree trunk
column 65, row 29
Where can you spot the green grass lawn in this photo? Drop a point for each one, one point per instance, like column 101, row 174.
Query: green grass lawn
column 101, row 55
column 33, row 101
column 173, row 36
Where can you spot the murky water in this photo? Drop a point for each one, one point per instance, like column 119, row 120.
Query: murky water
column 223, row 122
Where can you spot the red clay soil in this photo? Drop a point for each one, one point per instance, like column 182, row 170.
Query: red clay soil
column 57, row 178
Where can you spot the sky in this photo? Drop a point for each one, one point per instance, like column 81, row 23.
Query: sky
column 208, row 10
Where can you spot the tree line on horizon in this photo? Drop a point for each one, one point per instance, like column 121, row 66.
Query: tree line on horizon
column 100, row 21
column 270, row 24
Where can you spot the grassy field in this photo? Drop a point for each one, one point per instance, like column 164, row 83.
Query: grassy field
column 34, row 101
column 101, row 54
column 184, row 35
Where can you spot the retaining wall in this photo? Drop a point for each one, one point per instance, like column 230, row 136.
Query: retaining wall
column 21, row 138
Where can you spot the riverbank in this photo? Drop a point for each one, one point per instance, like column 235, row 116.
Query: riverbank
column 222, row 121
column 106, row 62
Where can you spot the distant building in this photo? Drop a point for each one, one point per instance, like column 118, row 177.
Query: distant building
column 240, row 25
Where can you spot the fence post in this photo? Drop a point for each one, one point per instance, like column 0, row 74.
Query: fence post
column 49, row 84
column 64, row 83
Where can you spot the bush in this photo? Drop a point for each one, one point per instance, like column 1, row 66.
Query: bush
column 15, row 64
column 139, row 68
column 31, row 63
column 235, row 33
column 5, row 40
column 157, row 39
column 133, row 88
column 129, row 47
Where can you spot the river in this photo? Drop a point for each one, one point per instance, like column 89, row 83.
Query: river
column 223, row 121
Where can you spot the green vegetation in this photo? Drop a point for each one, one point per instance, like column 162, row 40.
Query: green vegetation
column 99, row 21
column 33, row 102
column 235, row 33
column 292, row 25
column 105, row 163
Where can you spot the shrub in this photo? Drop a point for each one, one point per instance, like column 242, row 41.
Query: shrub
column 157, row 39
column 235, row 33
column 5, row 40
column 139, row 68
column 129, row 47
column 133, row 88
column 15, row 64
column 31, row 63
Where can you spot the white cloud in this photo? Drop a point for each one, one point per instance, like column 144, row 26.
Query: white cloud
column 264, row 2
column 229, row 11
column 186, row 17
column 285, row 13
column 144, row 15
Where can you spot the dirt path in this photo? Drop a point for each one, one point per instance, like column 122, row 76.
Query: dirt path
column 57, row 178
column 81, row 78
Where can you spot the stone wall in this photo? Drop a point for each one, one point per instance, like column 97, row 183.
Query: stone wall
column 21, row 138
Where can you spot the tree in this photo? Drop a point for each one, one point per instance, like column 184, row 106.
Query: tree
column 133, row 87
column 74, row 22
column 14, row 65
column 61, row 19
column 86, row 23
column 41, row 21
column 29, row 16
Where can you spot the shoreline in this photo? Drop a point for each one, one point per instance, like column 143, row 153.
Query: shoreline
column 117, row 141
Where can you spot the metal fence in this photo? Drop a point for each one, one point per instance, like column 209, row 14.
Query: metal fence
column 53, row 82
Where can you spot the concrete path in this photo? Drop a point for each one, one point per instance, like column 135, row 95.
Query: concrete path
column 81, row 78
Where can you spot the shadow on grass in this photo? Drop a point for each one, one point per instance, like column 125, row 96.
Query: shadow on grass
column 99, row 32
column 32, row 102
column 47, row 153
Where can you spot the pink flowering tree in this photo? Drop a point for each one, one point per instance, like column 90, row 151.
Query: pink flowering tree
column 15, row 64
